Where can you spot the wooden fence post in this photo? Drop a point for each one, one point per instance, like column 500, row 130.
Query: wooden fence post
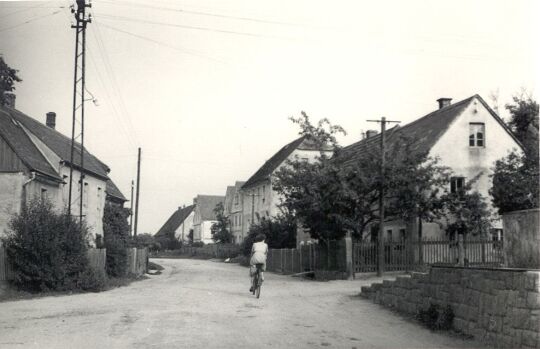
column 349, row 258
column 461, row 251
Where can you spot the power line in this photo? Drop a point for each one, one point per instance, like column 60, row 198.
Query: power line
column 199, row 13
column 42, row 6
column 223, row 31
column 182, row 50
column 31, row 20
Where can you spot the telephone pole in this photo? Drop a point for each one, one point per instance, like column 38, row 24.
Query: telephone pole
column 78, row 98
column 131, row 211
column 137, row 194
column 380, row 239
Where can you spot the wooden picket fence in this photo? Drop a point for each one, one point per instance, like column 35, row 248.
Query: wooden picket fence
column 137, row 261
column 97, row 258
column 6, row 272
column 411, row 255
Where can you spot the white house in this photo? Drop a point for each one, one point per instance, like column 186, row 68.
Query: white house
column 233, row 210
column 260, row 201
column 204, row 217
column 179, row 224
column 467, row 136
column 35, row 163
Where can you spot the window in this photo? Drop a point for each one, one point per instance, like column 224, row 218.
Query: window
column 263, row 192
column 236, row 199
column 456, row 184
column 389, row 235
column 477, row 135
column 402, row 234
column 43, row 195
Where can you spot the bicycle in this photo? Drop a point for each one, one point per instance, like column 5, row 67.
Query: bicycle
column 257, row 281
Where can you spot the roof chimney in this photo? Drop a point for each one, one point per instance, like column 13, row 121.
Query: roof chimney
column 444, row 102
column 9, row 99
column 371, row 133
column 51, row 120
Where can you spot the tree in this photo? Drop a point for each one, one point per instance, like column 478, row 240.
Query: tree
column 220, row 230
column 280, row 232
column 468, row 213
column 8, row 77
column 116, row 238
column 515, row 177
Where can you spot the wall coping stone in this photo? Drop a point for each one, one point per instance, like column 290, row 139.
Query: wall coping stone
column 486, row 268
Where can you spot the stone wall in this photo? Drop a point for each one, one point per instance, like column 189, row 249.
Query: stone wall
column 522, row 238
column 500, row 307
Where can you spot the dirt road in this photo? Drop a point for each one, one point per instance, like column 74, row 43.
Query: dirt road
column 205, row 304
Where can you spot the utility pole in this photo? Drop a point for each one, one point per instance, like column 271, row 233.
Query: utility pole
column 131, row 211
column 380, row 239
column 137, row 194
column 78, row 91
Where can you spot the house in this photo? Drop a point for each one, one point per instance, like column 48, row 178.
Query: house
column 260, row 201
column 467, row 136
column 35, row 163
column 233, row 210
column 205, row 216
column 179, row 224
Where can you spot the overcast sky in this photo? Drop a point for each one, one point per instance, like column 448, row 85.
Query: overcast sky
column 206, row 87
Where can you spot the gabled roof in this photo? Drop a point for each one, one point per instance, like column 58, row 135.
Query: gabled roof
column 174, row 221
column 229, row 198
column 21, row 144
column 59, row 144
column 425, row 132
column 205, row 205
column 266, row 170
column 113, row 191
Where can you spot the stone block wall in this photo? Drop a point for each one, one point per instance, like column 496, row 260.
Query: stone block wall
column 500, row 307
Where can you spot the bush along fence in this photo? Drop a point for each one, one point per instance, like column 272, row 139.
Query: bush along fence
column 221, row 251
column 499, row 307
column 137, row 261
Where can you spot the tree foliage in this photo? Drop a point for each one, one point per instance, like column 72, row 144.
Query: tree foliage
column 8, row 77
column 515, row 177
column 220, row 230
column 48, row 250
column 280, row 232
column 116, row 239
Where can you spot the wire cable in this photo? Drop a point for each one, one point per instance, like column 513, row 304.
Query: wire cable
column 31, row 20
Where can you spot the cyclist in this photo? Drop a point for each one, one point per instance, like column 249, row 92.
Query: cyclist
column 259, row 250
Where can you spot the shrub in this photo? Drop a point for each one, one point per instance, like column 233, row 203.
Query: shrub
column 197, row 244
column 436, row 318
column 280, row 232
column 116, row 235
column 48, row 251
column 91, row 279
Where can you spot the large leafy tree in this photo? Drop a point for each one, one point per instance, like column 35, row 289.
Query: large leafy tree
column 220, row 230
column 515, row 177
column 280, row 232
column 116, row 239
column 8, row 78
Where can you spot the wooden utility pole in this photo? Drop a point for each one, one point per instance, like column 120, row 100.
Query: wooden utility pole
column 137, row 194
column 131, row 213
column 380, row 239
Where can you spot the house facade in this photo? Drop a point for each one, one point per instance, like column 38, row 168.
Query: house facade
column 179, row 224
column 233, row 211
column 468, row 137
column 259, row 199
column 204, row 217
column 35, row 164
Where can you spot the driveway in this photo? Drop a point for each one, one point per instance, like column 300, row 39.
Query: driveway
column 206, row 304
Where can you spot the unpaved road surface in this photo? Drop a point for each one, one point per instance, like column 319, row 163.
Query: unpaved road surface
column 206, row 304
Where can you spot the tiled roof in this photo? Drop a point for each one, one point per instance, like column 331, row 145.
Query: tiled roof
column 60, row 144
column 113, row 191
column 206, row 204
column 424, row 132
column 266, row 170
column 174, row 221
column 23, row 146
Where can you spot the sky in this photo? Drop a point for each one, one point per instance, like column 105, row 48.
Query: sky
column 206, row 87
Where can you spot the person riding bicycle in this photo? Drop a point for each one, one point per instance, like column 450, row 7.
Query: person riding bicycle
column 259, row 250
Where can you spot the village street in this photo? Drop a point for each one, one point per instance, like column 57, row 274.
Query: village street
column 206, row 304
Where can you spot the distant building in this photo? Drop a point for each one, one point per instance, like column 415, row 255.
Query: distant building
column 467, row 136
column 204, row 216
column 259, row 199
column 179, row 224
column 233, row 210
column 35, row 163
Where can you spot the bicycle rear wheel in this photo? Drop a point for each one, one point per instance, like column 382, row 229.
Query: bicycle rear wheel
column 258, row 288
column 255, row 282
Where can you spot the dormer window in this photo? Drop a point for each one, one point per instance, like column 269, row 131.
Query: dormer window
column 477, row 132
